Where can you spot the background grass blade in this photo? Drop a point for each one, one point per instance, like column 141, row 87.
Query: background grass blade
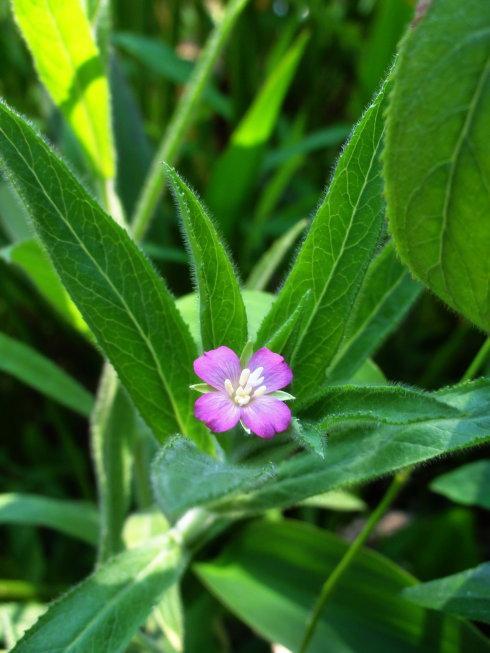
column 33, row 369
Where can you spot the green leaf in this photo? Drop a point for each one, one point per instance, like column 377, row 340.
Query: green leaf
column 74, row 518
column 257, row 303
column 67, row 60
column 222, row 311
column 466, row 594
column 273, row 257
column 13, row 215
column 358, row 455
column 38, row 372
column 34, row 262
column 106, row 609
column 437, row 160
column 271, row 573
column 336, row 405
column 284, row 339
column 310, row 437
column 236, row 169
column 335, row 500
column 183, row 477
column 333, row 258
column 126, row 305
column 387, row 293
column 16, row 618
column 113, row 426
column 469, row 484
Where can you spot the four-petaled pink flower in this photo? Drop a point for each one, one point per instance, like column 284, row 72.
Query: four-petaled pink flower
column 243, row 395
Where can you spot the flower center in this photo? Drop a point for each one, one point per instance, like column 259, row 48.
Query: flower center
column 249, row 386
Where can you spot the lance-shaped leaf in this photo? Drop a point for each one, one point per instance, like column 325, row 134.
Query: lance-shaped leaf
column 67, row 60
column 222, row 311
column 437, row 158
column 359, row 455
column 333, row 258
column 466, row 594
column 105, row 610
column 184, row 477
column 74, row 518
column 468, row 484
column 377, row 404
column 37, row 371
column 387, row 293
column 126, row 305
column 284, row 339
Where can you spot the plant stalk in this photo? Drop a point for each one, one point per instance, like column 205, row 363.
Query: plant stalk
column 478, row 361
column 181, row 119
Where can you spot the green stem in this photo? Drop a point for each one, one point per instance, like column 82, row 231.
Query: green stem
column 182, row 118
column 476, row 364
column 330, row 584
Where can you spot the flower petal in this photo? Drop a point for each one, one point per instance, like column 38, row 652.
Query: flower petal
column 266, row 416
column 217, row 411
column 217, row 365
column 277, row 373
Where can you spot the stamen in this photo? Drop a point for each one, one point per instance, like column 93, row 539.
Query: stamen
column 255, row 376
column 260, row 391
column 229, row 387
column 244, row 376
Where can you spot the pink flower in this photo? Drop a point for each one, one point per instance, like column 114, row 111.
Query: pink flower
column 249, row 395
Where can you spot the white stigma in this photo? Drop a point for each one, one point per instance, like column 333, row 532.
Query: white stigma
column 249, row 386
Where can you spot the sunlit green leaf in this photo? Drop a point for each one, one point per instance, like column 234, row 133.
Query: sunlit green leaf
column 67, row 59
column 437, row 159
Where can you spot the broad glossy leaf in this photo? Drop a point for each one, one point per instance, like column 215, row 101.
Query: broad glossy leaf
column 468, row 484
column 67, row 60
column 466, row 594
column 437, row 157
column 377, row 404
column 257, row 303
column 360, row 454
column 272, row 572
column 386, row 294
column 126, row 305
column 105, row 610
column 222, row 311
column 29, row 256
column 183, row 477
column 74, row 518
column 273, row 257
column 33, row 369
column 333, row 258
column 236, row 169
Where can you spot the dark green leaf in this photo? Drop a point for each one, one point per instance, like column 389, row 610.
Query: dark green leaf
column 333, row 258
column 222, row 311
column 466, row 594
column 469, row 484
column 105, row 610
column 184, row 477
column 437, row 159
column 272, row 573
column 127, row 307
column 386, row 294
